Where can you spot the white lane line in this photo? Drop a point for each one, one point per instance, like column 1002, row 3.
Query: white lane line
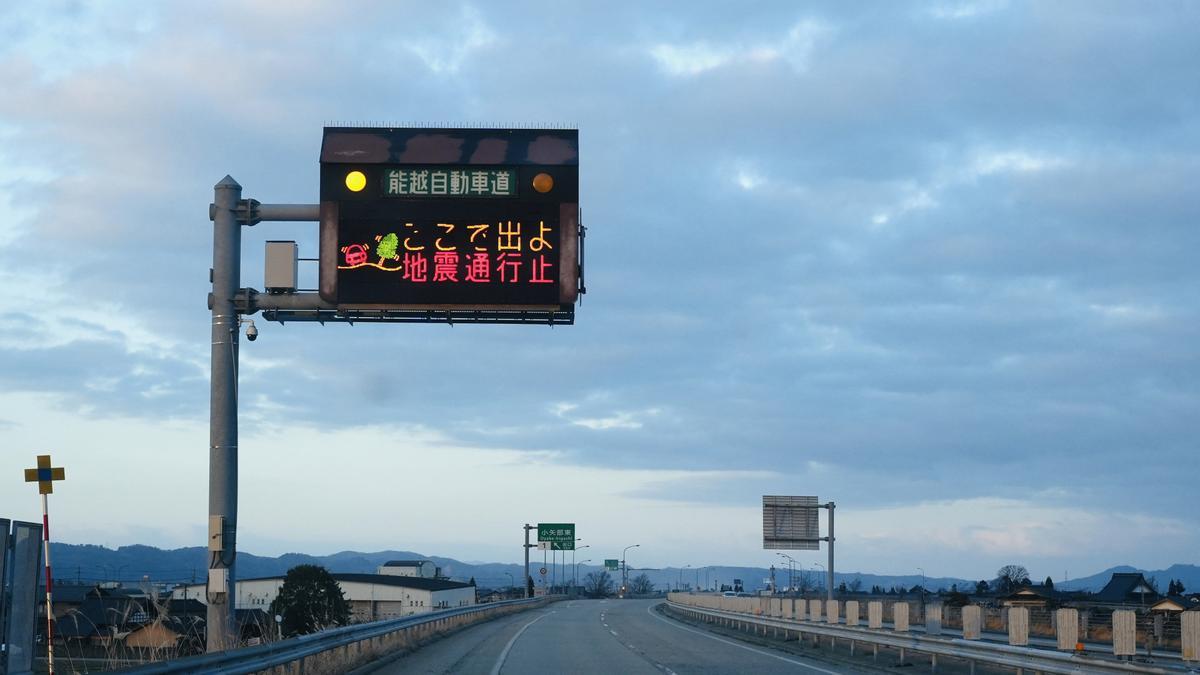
column 508, row 647
column 613, row 632
column 651, row 612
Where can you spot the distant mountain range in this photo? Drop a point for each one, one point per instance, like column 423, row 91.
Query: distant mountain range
column 133, row 564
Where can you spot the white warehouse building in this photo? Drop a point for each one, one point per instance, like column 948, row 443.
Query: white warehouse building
column 372, row 597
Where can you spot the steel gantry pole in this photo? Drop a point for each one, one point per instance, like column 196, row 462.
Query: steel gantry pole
column 223, row 419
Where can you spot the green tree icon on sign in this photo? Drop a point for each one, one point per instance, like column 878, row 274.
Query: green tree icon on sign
column 387, row 247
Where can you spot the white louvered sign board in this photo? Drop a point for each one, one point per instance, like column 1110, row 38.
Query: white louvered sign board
column 791, row 523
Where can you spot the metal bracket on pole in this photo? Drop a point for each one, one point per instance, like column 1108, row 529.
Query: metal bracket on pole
column 252, row 212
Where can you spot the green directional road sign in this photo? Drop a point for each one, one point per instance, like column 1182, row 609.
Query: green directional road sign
column 560, row 535
column 612, row 564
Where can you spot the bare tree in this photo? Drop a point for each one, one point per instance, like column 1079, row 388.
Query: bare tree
column 804, row 583
column 598, row 584
column 641, row 585
column 1011, row 576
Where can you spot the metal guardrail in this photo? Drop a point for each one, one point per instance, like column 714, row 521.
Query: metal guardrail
column 274, row 654
column 972, row 651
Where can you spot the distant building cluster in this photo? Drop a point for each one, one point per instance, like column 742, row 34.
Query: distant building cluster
column 109, row 618
column 399, row 588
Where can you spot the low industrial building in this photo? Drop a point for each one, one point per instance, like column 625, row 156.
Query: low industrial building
column 372, row 597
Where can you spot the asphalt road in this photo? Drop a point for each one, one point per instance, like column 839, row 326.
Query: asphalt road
column 597, row 636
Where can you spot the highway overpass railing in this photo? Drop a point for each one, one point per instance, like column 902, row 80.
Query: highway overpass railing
column 817, row 620
column 337, row 650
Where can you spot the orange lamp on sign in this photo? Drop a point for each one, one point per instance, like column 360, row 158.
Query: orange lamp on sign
column 543, row 182
column 356, row 181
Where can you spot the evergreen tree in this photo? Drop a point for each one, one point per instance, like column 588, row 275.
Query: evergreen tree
column 310, row 600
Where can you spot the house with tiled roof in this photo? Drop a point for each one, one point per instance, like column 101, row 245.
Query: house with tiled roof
column 1127, row 588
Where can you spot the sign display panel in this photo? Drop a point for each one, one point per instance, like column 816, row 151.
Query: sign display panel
column 791, row 522
column 450, row 218
column 612, row 564
column 560, row 536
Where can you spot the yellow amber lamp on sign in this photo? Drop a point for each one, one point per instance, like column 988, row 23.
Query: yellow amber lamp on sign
column 356, row 181
column 543, row 183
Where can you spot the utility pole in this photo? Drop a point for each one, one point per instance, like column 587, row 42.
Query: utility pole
column 223, row 417
column 525, row 581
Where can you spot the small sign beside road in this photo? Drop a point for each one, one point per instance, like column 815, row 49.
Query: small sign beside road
column 542, row 571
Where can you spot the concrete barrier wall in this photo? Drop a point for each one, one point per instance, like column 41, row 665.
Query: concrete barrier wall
column 1066, row 622
column 1124, row 631
column 1190, row 634
column 972, row 622
column 1018, row 626
column 933, row 619
column 874, row 614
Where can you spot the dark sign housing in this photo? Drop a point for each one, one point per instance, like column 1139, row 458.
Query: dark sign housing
column 452, row 219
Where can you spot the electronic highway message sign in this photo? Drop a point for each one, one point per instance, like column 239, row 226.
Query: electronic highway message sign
column 421, row 218
column 790, row 522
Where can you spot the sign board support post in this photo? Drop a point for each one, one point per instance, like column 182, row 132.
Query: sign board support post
column 526, row 582
column 49, row 586
column 829, row 571
column 223, row 416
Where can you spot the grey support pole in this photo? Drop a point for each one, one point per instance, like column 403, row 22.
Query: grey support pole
column 525, row 581
column 223, row 418
column 829, row 571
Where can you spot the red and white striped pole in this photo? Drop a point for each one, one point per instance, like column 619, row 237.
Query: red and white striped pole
column 44, row 475
column 49, row 586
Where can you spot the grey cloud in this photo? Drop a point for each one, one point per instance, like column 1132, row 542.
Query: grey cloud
column 962, row 347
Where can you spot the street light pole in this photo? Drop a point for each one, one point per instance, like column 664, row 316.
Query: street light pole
column 578, row 564
column 625, row 570
column 922, row 590
column 679, row 582
column 575, row 576
column 791, row 572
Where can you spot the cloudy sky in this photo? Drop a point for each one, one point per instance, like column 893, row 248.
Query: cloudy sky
column 935, row 261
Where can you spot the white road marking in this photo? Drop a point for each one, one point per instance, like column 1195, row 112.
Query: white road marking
column 613, row 632
column 651, row 612
column 508, row 647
